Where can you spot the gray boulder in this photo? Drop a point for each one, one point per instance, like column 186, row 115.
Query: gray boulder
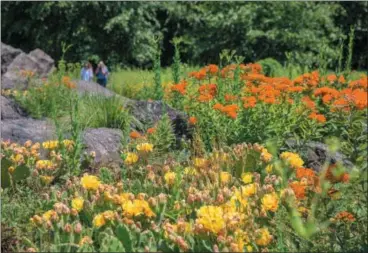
column 317, row 153
column 37, row 61
column 107, row 144
column 10, row 110
column 44, row 61
column 22, row 129
column 8, row 53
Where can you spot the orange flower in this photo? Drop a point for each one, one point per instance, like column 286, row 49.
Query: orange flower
column 331, row 78
column 249, row 102
column 345, row 216
column 151, row 130
column 318, row 117
column 309, row 102
column 218, row 106
column 212, row 69
column 299, row 189
column 208, row 89
column 360, row 83
column 192, row 120
column 304, row 172
column 135, row 135
column 180, row 87
column 344, row 177
column 229, row 97
column 341, row 79
column 205, row 98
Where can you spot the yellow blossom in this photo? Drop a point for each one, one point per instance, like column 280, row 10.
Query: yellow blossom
column 109, row 215
column 90, row 182
column 270, row 202
column 265, row 155
column 45, row 164
column 77, row 203
column 225, row 177
column 199, row 162
column 211, row 218
column 145, row 147
column 47, row 215
column 264, row 237
column 137, row 207
column 84, row 240
column 293, row 159
column 247, row 178
column 269, row 168
column 249, row 190
column 98, row 221
column 170, row 177
column 131, row 158
column 190, row 171
column 50, row 144
column 11, row 169
column 46, row 179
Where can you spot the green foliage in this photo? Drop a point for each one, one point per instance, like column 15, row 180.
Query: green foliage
column 106, row 175
column 99, row 111
column 163, row 138
column 176, row 61
column 350, row 50
column 123, row 34
column 270, row 67
column 157, row 90
column 20, row 173
column 111, row 244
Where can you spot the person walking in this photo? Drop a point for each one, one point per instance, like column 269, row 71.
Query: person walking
column 101, row 74
column 87, row 72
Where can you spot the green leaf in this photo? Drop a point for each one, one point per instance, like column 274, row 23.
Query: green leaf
column 124, row 235
column 111, row 244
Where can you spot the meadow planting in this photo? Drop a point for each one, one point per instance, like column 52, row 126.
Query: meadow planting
column 231, row 185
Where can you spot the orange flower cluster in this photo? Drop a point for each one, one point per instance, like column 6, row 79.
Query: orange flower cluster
column 309, row 174
column 151, row 130
column 180, row 87
column 192, row 120
column 211, row 69
column 135, row 135
column 66, row 80
column 333, row 78
column 249, row 102
column 318, row 117
column 360, row 83
column 229, row 110
column 330, row 175
column 207, row 92
column 310, row 80
column 229, row 97
column 298, row 189
column 345, row 216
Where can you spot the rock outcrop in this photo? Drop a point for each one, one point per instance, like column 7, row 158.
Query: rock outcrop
column 107, row 144
column 316, row 154
column 36, row 61
column 8, row 53
column 10, row 110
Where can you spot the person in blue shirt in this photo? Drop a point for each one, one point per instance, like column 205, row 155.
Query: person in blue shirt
column 101, row 74
column 87, row 72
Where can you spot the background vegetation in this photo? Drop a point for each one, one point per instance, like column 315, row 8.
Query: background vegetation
column 122, row 33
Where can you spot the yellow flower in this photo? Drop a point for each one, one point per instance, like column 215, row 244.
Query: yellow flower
column 249, row 190
column 190, row 171
column 265, row 155
column 145, row 147
column 44, row 164
column 269, row 168
column 270, row 202
column 90, row 182
column 225, row 177
column 249, row 248
column 77, row 203
column 68, row 143
column 84, row 240
column 48, row 215
column 137, row 207
column 247, row 178
column 131, row 158
column 18, row 158
column 170, row 177
column 46, row 179
column 293, row 159
column 264, row 237
column 50, row 144
column 11, row 169
column 199, row 162
column 109, row 215
column 211, row 218
column 98, row 221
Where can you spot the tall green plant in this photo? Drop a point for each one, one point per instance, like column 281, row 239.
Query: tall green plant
column 350, row 50
column 158, row 92
column 176, row 61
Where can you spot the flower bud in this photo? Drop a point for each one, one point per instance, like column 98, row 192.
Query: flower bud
column 162, row 198
column 152, row 202
column 35, row 173
column 74, row 212
column 31, row 250
column 78, row 228
column 67, row 228
column 11, row 169
column 216, row 248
